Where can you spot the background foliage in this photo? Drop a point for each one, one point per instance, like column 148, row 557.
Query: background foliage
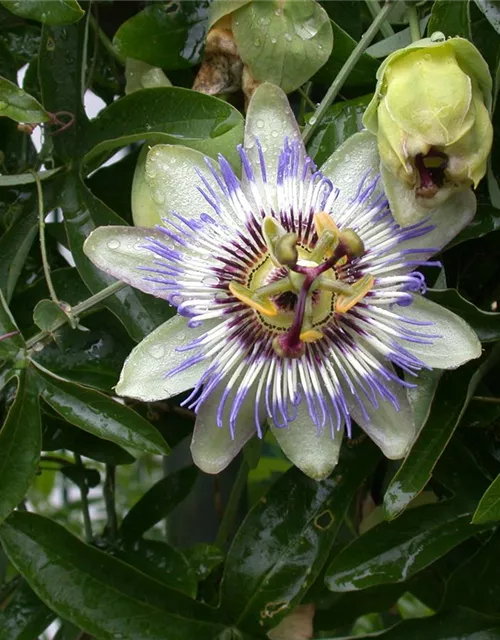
column 116, row 534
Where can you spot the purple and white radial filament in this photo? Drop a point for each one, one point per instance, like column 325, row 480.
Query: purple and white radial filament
column 350, row 356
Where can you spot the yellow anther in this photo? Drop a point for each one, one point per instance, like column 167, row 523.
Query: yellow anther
column 345, row 302
column 248, row 297
column 324, row 222
column 311, row 335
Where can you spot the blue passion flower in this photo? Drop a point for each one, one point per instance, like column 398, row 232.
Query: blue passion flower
column 298, row 296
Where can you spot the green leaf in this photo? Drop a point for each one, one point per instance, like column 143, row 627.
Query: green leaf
column 17, row 240
column 101, row 595
column 454, row 393
column 204, row 558
column 20, row 442
column 447, row 625
column 47, row 11
column 491, row 11
column 394, row 551
column 58, row 434
column 488, row 509
column 99, row 414
column 486, row 220
column 221, row 8
column 157, row 503
column 14, row 343
column 25, row 616
column 339, row 123
column 285, row 540
column 485, row 323
column 139, row 314
column 163, row 563
column 475, row 583
column 451, row 18
column 19, row 105
column 183, row 25
column 363, row 74
column 399, row 40
column 283, row 43
column 166, row 115
column 48, row 314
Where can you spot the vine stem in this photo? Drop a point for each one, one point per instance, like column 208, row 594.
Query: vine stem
column 345, row 71
column 412, row 13
column 105, row 41
column 374, row 8
column 43, row 246
column 231, row 509
column 78, row 309
column 487, row 399
column 87, row 523
column 109, row 500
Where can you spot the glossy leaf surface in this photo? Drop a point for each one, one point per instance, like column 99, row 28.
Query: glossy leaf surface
column 284, row 542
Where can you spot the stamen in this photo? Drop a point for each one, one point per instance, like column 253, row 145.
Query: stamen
column 345, row 302
column 248, row 297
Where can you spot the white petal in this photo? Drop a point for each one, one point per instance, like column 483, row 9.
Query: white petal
column 457, row 343
column 144, row 373
column 120, row 252
column 356, row 158
column 271, row 120
column 422, row 394
column 393, row 430
column 212, row 447
column 170, row 172
column 449, row 218
column 316, row 454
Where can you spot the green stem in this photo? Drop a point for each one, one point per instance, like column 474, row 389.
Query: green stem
column 87, row 523
column 344, row 73
column 306, row 98
column 109, row 500
column 486, row 399
column 105, row 41
column 78, row 309
column 43, row 246
column 227, row 522
column 374, row 8
column 412, row 13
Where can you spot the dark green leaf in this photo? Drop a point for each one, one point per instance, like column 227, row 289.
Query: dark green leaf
column 48, row 11
column 163, row 563
column 22, row 41
column 138, row 312
column 285, row 540
column 20, row 442
column 81, row 476
column 203, row 558
column 491, row 10
column 488, row 510
column 12, row 343
column 454, row 392
column 394, row 551
column 167, row 115
column 484, row 323
column 157, row 503
column 19, row 105
column 25, row 617
column 58, row 434
column 363, row 74
column 182, row 24
column 339, row 123
column 60, row 74
column 452, row 18
column 100, row 415
column 486, row 220
column 98, row 593
column 455, row 624
column 26, row 178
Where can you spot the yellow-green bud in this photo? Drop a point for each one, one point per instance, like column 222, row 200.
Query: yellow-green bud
column 431, row 115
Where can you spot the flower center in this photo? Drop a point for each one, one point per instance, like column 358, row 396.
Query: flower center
column 297, row 289
column 431, row 170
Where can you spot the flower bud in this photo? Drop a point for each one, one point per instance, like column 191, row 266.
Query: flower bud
column 431, row 115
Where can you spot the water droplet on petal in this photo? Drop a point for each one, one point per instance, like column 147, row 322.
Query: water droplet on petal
column 156, row 351
column 257, row 42
column 274, row 134
column 288, row 37
column 113, row 244
column 273, row 40
column 158, row 196
column 260, row 124
column 277, row 12
column 312, row 120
